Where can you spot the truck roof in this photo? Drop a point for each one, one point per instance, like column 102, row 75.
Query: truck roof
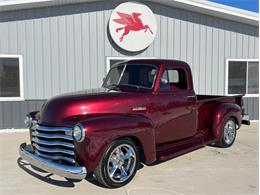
column 156, row 62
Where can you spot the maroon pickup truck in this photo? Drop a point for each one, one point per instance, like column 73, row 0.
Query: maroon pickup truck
column 146, row 111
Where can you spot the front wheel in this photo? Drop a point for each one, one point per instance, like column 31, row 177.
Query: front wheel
column 229, row 133
column 118, row 165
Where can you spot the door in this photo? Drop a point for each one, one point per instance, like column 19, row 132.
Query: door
column 177, row 118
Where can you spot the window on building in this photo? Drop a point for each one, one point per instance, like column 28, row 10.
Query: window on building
column 11, row 86
column 243, row 77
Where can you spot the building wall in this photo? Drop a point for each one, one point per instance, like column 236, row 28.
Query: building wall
column 64, row 48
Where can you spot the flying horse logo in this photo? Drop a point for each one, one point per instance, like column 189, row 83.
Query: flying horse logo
column 132, row 23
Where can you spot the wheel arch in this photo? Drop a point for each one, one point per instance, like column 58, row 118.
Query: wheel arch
column 99, row 136
column 223, row 112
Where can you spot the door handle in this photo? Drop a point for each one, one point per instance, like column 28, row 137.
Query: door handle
column 191, row 96
column 140, row 108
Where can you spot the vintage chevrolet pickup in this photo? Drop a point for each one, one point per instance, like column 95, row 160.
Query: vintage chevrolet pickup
column 146, row 111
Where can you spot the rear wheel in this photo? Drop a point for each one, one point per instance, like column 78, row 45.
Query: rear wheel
column 119, row 164
column 229, row 133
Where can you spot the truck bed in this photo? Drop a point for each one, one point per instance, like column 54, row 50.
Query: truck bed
column 210, row 102
column 201, row 99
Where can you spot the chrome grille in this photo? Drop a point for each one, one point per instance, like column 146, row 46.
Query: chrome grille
column 53, row 143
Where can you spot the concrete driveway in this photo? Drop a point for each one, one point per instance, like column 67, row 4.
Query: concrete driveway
column 208, row 170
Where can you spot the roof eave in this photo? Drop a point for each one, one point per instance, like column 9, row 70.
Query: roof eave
column 214, row 9
column 204, row 7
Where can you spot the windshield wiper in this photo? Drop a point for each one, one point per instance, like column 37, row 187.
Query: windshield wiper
column 120, row 86
column 112, row 87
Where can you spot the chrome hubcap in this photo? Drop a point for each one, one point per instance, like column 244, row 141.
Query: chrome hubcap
column 229, row 131
column 121, row 163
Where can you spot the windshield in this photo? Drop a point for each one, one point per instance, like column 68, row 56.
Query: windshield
column 136, row 75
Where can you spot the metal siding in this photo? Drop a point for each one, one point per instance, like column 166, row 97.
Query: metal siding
column 6, row 109
column 163, row 35
column 170, row 36
column 93, row 50
column 157, row 42
column 190, row 39
column 62, row 44
column 215, row 59
column 202, row 54
column 251, row 105
column 245, row 41
column 64, row 48
column 251, row 44
column 54, row 55
column 183, row 35
column 239, row 40
column 221, row 59
column 177, row 34
column 78, row 52
column 47, row 73
column 101, row 61
column 12, row 38
column 256, row 44
column 2, row 116
column 208, row 53
column 38, row 47
column 17, row 111
column 70, row 52
column 85, row 51
column 196, row 54
column 4, row 37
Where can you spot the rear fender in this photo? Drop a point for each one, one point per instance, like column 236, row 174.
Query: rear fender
column 222, row 113
column 103, row 130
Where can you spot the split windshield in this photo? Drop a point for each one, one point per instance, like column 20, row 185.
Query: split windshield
column 134, row 75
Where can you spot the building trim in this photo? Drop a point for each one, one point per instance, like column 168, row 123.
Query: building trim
column 21, row 80
column 204, row 7
column 216, row 9
column 226, row 74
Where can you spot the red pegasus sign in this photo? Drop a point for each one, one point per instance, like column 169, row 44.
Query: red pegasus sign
column 132, row 23
column 128, row 25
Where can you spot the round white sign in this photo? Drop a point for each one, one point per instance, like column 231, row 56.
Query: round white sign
column 132, row 26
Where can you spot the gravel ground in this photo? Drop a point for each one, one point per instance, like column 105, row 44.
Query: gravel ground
column 208, row 170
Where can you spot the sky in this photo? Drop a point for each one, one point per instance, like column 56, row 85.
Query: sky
column 249, row 5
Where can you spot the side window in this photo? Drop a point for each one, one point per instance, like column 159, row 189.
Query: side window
column 173, row 80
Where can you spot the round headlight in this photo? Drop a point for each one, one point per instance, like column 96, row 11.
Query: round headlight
column 79, row 133
column 28, row 121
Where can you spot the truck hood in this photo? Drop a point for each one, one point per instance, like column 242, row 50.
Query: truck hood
column 68, row 109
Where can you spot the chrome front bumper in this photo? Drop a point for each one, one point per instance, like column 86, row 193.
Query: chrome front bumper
column 72, row 172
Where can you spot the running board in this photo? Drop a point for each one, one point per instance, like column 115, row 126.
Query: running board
column 168, row 151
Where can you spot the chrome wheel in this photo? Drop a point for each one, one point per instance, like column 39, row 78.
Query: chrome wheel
column 229, row 131
column 121, row 163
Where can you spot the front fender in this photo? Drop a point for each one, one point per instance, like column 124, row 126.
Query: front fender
column 101, row 131
column 222, row 113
